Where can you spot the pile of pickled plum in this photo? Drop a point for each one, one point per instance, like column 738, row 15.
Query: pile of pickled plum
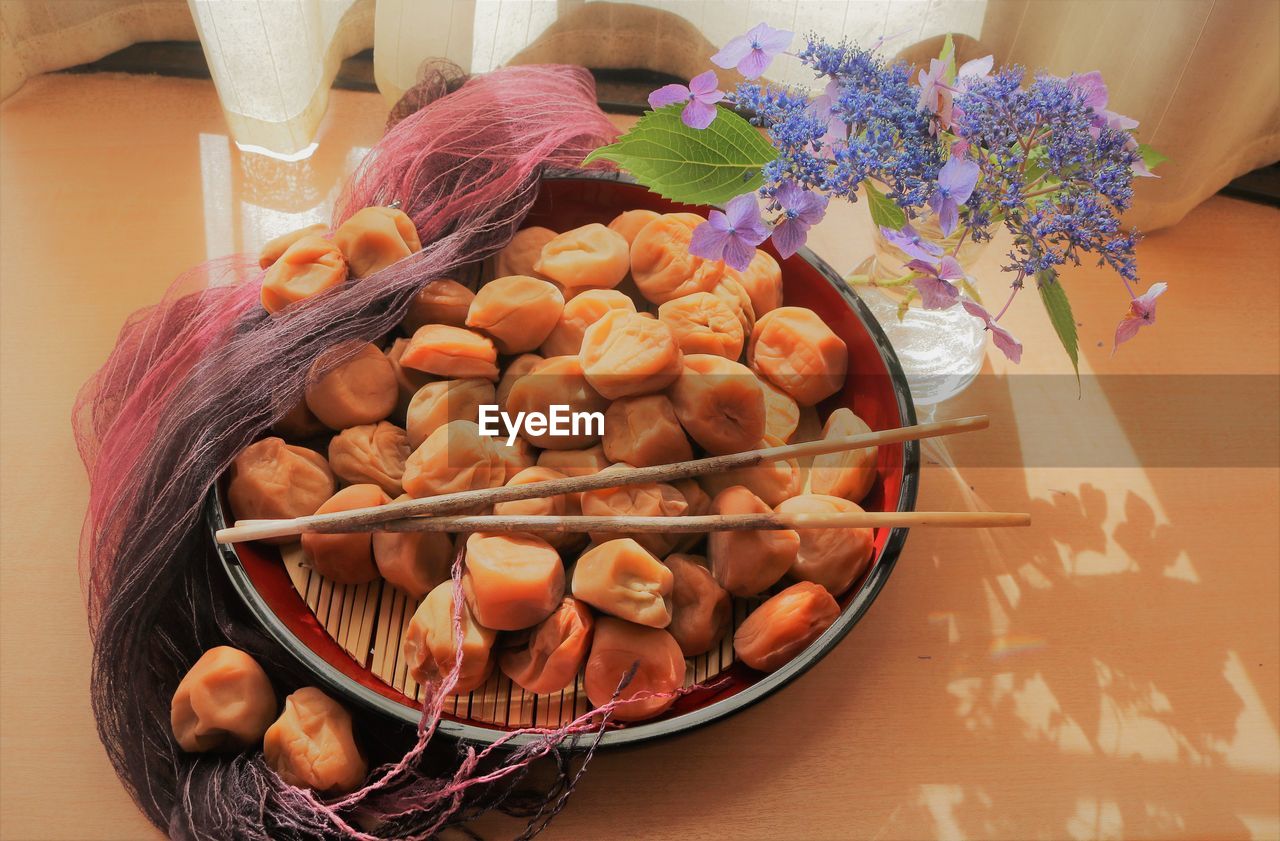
column 683, row 356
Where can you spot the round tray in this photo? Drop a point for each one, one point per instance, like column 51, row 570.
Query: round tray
column 348, row 637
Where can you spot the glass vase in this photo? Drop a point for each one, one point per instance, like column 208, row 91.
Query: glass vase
column 941, row 351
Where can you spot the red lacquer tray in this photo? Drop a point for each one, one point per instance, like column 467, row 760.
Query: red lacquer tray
column 348, row 637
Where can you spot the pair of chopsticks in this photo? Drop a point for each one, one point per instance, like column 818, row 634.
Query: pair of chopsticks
column 439, row 513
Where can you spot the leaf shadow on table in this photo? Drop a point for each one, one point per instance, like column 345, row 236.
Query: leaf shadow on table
column 1085, row 690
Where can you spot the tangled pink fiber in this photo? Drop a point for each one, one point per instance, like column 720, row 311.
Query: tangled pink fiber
column 198, row 377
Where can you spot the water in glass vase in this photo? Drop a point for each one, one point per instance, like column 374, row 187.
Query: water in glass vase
column 941, row 351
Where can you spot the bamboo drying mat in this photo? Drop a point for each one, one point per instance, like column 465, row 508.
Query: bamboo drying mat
column 369, row 620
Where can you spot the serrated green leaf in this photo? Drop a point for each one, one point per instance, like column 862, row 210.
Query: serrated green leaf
column 1150, row 156
column 1054, row 298
column 885, row 213
column 695, row 166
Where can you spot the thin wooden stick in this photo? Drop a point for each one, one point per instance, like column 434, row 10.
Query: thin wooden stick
column 700, row 523
column 345, row 521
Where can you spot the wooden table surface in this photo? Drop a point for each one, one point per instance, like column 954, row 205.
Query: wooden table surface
column 1110, row 672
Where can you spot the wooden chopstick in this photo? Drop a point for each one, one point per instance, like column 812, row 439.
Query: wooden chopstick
column 699, row 523
column 346, row 521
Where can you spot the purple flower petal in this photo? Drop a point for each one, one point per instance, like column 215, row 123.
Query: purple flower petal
column 949, row 268
column 935, row 294
column 698, row 114
column 959, row 176
column 1142, row 311
column 948, row 216
column 909, row 242
column 668, row 95
column 1004, row 340
column 1001, row 337
column 738, row 253
column 789, row 236
column 704, row 83
column 772, row 41
column 976, row 68
column 1092, row 86
column 709, row 238
column 754, row 64
column 742, row 211
column 732, row 53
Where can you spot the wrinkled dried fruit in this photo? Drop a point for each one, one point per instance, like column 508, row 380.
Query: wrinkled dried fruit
column 556, row 650
column 643, row 500
column 518, row 312
column 544, row 506
column 437, row 403
column 223, row 703
column 746, row 563
column 278, row 246
column 516, row 368
column 511, row 581
column 834, row 558
column 370, row 453
column 523, row 252
column 429, row 648
column 848, row 473
column 643, row 431
column 661, row 264
column 310, row 266
column 781, row 413
column 557, row 381
column 415, row 561
column 311, row 745
column 363, row 389
column 345, row 558
column 589, row 257
column 660, row 668
column 454, row 458
column 785, row 625
column 408, row 381
column 629, row 222
column 796, row 351
column 621, row 578
column 699, row 605
column 439, row 301
column 704, row 323
column 772, row 481
column 453, row 352
column 272, row 480
column 299, row 424
column 376, row 237
column 579, row 313
column 624, row 354
column 719, row 403
column 763, row 282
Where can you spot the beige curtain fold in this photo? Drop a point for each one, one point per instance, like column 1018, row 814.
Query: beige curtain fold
column 1200, row 75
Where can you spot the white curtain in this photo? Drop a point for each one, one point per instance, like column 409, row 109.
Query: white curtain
column 1200, row 75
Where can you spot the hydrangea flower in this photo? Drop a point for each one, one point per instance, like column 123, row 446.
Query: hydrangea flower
column 752, row 53
column 702, row 94
column 911, row 243
column 801, row 210
column 1142, row 311
column 956, row 181
column 1002, row 338
column 936, row 290
column 731, row 235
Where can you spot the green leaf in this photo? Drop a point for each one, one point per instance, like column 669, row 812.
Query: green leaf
column 885, row 213
column 1054, row 298
column 948, row 57
column 1150, row 156
column 695, row 166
